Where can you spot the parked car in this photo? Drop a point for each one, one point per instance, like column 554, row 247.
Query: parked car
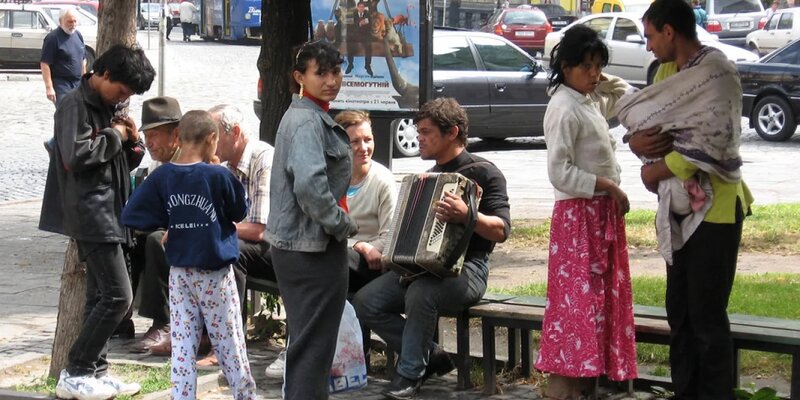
column 523, row 26
column 149, row 15
column 780, row 29
column 91, row 6
column 732, row 20
column 557, row 16
column 628, row 55
column 771, row 93
column 23, row 28
column 501, row 86
column 87, row 22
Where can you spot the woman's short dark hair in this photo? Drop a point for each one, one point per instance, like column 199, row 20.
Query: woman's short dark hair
column 445, row 113
column 321, row 51
column 578, row 42
column 676, row 13
column 126, row 65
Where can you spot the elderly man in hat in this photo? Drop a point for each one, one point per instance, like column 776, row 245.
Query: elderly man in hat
column 160, row 117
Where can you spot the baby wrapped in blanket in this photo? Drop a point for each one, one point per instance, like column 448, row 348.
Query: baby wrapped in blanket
column 701, row 107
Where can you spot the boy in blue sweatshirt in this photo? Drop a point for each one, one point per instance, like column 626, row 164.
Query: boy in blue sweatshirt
column 198, row 204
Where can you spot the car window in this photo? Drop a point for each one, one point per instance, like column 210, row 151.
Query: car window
column 623, row 28
column 786, row 21
column 552, row 10
column 452, row 53
column 83, row 19
column 524, row 18
column 736, row 6
column 617, row 8
column 4, row 19
column 772, row 24
column 599, row 25
column 497, row 55
column 789, row 55
column 606, row 7
column 25, row 20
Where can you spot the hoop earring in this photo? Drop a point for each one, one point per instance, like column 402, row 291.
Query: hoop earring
column 300, row 94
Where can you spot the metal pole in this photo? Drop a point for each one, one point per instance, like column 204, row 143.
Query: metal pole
column 444, row 13
column 162, row 44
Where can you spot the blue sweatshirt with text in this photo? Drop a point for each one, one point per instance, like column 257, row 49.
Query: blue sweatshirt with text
column 198, row 204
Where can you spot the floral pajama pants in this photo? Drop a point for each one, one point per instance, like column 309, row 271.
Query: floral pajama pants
column 205, row 297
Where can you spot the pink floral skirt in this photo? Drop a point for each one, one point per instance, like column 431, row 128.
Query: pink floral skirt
column 588, row 326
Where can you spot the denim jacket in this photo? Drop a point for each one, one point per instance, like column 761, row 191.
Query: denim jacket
column 310, row 173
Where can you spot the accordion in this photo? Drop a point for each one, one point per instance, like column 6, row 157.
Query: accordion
column 420, row 243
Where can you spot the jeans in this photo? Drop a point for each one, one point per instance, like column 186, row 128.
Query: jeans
column 63, row 86
column 108, row 297
column 380, row 303
column 699, row 284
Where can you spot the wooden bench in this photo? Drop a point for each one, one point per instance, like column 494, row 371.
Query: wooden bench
column 523, row 314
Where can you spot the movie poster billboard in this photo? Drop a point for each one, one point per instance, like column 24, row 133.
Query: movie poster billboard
column 380, row 43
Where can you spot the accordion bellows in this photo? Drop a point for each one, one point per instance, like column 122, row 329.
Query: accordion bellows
column 420, row 243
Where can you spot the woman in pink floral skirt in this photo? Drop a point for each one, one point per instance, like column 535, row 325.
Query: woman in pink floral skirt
column 588, row 326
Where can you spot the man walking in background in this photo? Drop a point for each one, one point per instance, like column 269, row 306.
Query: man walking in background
column 63, row 59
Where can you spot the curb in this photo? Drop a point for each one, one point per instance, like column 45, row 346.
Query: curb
column 22, row 77
column 205, row 383
column 12, row 395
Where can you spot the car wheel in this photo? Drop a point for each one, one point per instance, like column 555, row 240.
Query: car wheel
column 405, row 138
column 773, row 119
column 754, row 49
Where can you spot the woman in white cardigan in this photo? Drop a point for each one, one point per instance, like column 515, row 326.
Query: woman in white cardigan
column 588, row 324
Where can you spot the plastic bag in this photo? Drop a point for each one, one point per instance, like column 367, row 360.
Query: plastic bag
column 349, row 368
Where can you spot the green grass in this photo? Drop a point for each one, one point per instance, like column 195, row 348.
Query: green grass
column 767, row 295
column 152, row 379
column 771, row 229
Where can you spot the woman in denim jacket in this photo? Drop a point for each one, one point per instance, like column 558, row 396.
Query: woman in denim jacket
column 308, row 225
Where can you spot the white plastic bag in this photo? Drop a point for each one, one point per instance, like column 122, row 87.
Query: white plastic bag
column 349, row 368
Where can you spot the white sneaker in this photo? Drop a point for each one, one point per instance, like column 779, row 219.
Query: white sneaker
column 85, row 387
column 122, row 388
column 275, row 370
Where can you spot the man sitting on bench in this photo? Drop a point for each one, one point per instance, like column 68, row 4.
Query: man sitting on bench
column 380, row 305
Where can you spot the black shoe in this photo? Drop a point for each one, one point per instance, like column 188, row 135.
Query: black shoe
column 125, row 330
column 369, row 70
column 439, row 364
column 402, row 388
column 349, row 69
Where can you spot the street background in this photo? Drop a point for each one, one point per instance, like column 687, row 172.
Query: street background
column 202, row 74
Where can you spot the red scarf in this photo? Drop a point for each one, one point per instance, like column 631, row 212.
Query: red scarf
column 326, row 106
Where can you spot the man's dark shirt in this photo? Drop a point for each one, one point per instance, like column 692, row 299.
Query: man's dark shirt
column 495, row 198
column 64, row 53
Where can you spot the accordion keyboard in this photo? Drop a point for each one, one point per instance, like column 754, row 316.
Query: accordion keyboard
column 437, row 231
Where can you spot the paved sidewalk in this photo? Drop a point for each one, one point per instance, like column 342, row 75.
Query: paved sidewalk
column 30, row 269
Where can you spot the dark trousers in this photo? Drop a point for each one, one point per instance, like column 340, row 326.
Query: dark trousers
column 154, row 303
column 405, row 315
column 254, row 259
column 108, row 297
column 698, row 287
column 314, row 288
column 188, row 29
column 169, row 26
column 63, row 86
column 359, row 274
column 365, row 41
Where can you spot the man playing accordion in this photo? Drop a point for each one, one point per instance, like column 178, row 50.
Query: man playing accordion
column 381, row 304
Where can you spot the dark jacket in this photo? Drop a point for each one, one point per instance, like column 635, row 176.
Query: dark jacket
column 88, row 180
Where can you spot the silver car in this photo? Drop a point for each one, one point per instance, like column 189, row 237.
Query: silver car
column 501, row 86
column 629, row 59
column 732, row 20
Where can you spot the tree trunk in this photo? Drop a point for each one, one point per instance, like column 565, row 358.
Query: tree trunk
column 71, row 304
column 285, row 24
column 117, row 25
